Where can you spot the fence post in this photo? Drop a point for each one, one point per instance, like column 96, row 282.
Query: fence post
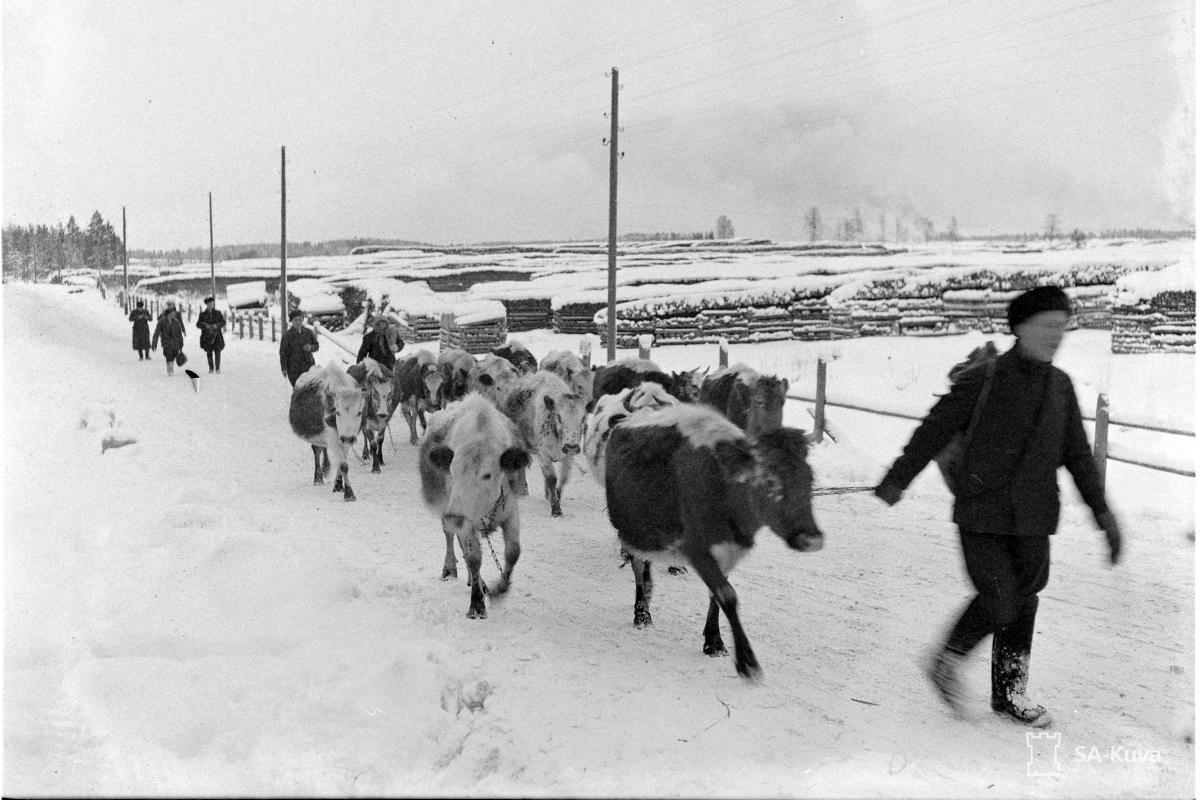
column 272, row 329
column 189, row 312
column 1100, row 453
column 645, row 341
column 722, row 353
column 819, row 412
column 585, row 352
column 260, row 329
column 242, row 327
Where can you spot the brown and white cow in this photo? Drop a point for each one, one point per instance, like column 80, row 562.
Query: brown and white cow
column 570, row 368
column 327, row 412
column 685, row 482
column 613, row 409
column 517, row 354
column 375, row 380
column 750, row 400
column 468, row 460
column 456, row 365
column 493, row 377
column 625, row 373
column 550, row 418
column 416, row 388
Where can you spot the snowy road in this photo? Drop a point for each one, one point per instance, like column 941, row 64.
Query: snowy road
column 189, row 614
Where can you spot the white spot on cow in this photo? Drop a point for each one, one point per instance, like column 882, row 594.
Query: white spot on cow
column 699, row 425
column 728, row 554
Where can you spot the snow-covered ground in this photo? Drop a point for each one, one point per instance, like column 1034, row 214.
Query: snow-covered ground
column 188, row 614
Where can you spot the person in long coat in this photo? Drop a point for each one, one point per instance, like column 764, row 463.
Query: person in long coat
column 1007, row 505
column 140, row 317
column 212, row 338
column 296, row 348
column 171, row 332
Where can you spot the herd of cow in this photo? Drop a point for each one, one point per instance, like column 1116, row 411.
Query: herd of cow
column 693, row 464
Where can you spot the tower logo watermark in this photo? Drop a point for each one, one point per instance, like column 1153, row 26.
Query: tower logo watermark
column 1043, row 753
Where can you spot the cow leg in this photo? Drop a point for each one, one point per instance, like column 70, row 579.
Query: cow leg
column 366, row 443
column 318, row 473
column 713, row 644
column 376, row 442
column 725, row 597
column 644, row 588
column 468, row 539
column 512, row 552
column 552, row 493
column 325, row 464
column 564, row 474
column 344, row 477
column 450, row 565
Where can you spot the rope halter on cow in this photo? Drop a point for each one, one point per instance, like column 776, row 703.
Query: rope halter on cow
column 487, row 525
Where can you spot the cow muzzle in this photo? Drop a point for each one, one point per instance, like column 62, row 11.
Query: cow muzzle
column 348, row 439
column 571, row 449
column 807, row 541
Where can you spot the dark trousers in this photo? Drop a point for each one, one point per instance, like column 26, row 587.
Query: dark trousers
column 214, row 358
column 1007, row 572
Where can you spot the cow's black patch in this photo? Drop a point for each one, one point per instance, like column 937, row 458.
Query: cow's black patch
column 306, row 414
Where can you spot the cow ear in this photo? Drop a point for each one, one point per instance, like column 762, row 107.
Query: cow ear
column 486, row 380
column 614, row 419
column 784, row 381
column 514, row 459
column 441, row 457
column 357, row 371
column 549, row 401
column 735, row 459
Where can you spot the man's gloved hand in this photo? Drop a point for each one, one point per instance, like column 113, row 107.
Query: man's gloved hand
column 1112, row 532
column 889, row 493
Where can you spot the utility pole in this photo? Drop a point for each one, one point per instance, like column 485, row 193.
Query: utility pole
column 124, row 262
column 283, row 303
column 612, row 225
column 212, row 260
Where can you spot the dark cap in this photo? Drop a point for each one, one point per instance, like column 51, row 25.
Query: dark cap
column 294, row 314
column 1035, row 301
column 209, row 300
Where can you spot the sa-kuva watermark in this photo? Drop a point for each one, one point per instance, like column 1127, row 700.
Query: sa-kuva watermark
column 1046, row 754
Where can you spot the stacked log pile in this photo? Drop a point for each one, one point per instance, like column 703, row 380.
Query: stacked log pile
column 577, row 317
column 1166, row 323
column 527, row 313
column 477, row 327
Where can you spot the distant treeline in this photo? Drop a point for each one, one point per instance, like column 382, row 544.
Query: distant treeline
column 1116, row 233
column 233, row 252
column 43, row 252
column 664, row 236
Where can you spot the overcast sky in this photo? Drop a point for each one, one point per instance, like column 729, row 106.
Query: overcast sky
column 471, row 120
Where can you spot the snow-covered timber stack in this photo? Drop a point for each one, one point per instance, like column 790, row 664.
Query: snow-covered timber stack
column 477, row 326
column 576, row 317
column 1156, row 311
column 320, row 302
column 251, row 294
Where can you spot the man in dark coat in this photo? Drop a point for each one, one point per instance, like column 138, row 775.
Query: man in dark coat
column 212, row 338
column 140, row 317
column 171, row 331
column 296, row 348
column 1007, row 505
column 377, row 344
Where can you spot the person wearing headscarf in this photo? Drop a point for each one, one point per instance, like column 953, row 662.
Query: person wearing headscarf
column 171, row 332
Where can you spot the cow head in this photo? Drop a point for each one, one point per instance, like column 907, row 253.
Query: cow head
column 344, row 412
column 375, row 382
column 478, row 470
column 607, row 412
column 561, row 419
column 766, row 396
column 776, row 468
column 493, row 377
column 432, row 378
column 686, row 384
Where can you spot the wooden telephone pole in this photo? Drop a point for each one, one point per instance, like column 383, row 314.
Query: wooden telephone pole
column 612, row 225
column 212, row 260
column 283, row 301
column 125, row 262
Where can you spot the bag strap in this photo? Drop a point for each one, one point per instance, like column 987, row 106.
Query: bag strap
column 978, row 412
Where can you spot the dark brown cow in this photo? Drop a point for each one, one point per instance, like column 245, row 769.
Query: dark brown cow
column 752, row 401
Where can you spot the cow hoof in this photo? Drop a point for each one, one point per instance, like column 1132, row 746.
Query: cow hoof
column 318, row 482
column 715, row 649
column 447, row 574
column 556, row 512
column 349, row 497
column 751, row 672
column 641, row 619
column 375, row 470
column 413, row 441
column 675, row 569
column 477, row 613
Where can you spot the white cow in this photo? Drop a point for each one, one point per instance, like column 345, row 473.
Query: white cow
column 327, row 412
column 550, row 418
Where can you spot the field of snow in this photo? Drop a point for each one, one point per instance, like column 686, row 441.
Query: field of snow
column 188, row 614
